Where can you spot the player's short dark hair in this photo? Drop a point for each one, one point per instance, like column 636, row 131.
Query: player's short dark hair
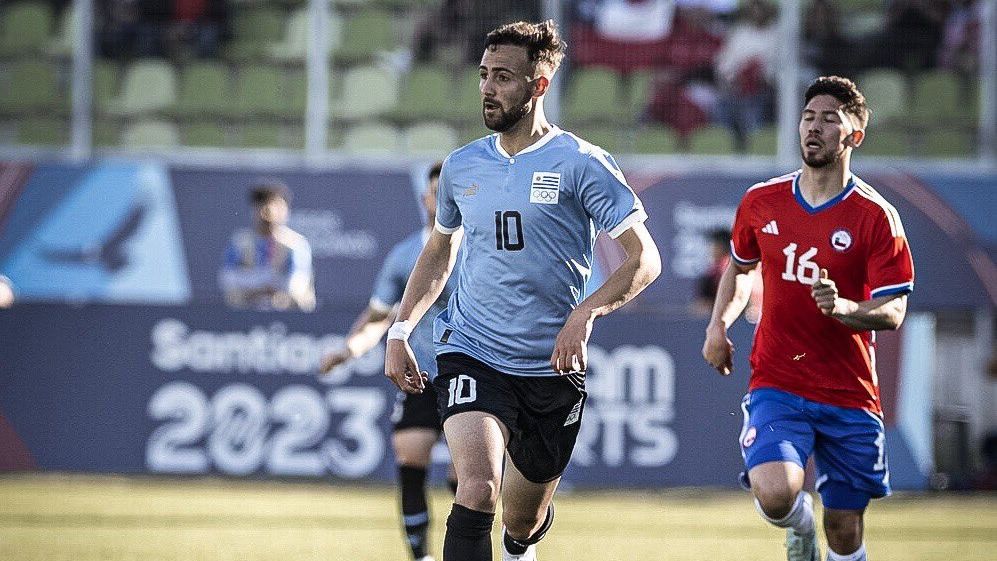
column 435, row 170
column 267, row 190
column 544, row 46
column 845, row 91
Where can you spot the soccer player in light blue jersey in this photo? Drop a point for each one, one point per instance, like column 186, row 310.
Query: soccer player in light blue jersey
column 416, row 419
column 511, row 346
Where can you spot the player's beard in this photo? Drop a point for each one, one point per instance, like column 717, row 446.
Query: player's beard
column 505, row 120
column 821, row 159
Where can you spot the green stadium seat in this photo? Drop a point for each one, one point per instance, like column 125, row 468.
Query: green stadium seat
column 204, row 133
column 886, row 93
column 937, row 96
column 656, row 139
column 293, row 46
column 711, row 140
column 473, row 131
column 258, row 92
column 148, row 86
column 594, row 94
column 204, row 90
column 150, row 134
column 261, row 135
column 44, row 131
column 105, row 133
column 105, row 84
column 607, row 138
column 366, row 91
column 296, row 95
column 253, row 30
column 946, row 143
column 372, row 137
column 26, row 27
column 365, row 34
column 763, row 142
column 426, row 94
column 638, row 91
column 32, row 87
column 886, row 141
column 467, row 101
column 431, row 138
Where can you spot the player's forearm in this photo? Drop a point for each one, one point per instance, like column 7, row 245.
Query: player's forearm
column 367, row 330
column 429, row 277
column 885, row 312
column 638, row 270
column 733, row 293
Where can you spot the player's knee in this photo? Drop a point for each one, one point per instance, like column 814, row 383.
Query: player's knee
column 775, row 502
column 478, row 493
column 843, row 530
column 520, row 525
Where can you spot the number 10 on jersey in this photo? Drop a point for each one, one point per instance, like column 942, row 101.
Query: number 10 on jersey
column 508, row 230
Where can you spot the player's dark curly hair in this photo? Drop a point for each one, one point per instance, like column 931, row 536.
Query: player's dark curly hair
column 845, row 91
column 268, row 189
column 542, row 41
column 435, row 170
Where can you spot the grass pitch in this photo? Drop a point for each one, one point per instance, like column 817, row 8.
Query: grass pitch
column 84, row 518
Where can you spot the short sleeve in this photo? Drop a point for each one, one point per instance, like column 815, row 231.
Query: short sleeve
column 606, row 197
column 448, row 219
column 890, row 263
column 390, row 283
column 743, row 242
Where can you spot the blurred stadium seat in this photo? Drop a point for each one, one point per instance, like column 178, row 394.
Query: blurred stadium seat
column 711, row 140
column 26, row 27
column 364, row 91
column 148, row 86
column 431, row 138
column 372, row 137
column 150, row 134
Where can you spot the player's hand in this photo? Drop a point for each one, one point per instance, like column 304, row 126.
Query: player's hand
column 401, row 367
column 571, row 346
column 825, row 294
column 334, row 359
column 718, row 349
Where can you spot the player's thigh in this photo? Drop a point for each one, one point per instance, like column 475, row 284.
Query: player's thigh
column 477, row 442
column 776, row 483
column 413, row 446
column 850, row 455
column 776, row 440
column 524, row 502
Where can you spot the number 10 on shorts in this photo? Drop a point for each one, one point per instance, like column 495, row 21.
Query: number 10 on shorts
column 463, row 389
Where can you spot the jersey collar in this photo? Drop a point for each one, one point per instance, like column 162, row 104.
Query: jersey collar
column 551, row 134
column 798, row 195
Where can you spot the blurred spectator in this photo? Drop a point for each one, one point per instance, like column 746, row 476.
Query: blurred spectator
column 462, row 25
column 746, row 69
column 825, row 49
column 912, row 35
column 268, row 267
column 176, row 28
column 637, row 21
column 961, row 37
column 707, row 283
column 986, row 478
column 6, row 293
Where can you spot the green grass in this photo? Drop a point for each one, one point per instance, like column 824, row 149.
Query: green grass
column 84, row 518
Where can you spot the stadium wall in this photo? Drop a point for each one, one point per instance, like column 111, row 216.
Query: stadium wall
column 132, row 364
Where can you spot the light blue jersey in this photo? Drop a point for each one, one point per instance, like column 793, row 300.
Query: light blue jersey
column 530, row 223
column 390, row 286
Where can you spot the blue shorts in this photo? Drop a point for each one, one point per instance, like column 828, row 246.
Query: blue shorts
column 849, row 445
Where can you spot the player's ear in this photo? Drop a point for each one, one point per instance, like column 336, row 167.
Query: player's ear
column 855, row 139
column 540, row 86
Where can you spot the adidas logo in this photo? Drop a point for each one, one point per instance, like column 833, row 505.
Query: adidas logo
column 771, row 228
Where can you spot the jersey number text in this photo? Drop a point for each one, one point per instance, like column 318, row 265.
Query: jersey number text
column 803, row 270
column 508, row 230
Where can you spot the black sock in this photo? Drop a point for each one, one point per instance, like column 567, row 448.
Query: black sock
column 452, row 483
column 519, row 547
column 415, row 514
column 468, row 535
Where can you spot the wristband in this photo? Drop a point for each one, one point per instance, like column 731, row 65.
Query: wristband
column 400, row 330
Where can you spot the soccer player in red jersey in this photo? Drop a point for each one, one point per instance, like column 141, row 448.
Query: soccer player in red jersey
column 836, row 268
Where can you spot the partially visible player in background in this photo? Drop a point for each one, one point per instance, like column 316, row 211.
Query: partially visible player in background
column 512, row 343
column 6, row 293
column 836, row 268
column 416, row 419
column 269, row 266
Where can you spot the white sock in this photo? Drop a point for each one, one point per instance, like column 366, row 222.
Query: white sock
column 800, row 517
column 859, row 555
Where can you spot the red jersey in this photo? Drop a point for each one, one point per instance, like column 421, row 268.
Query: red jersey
column 857, row 236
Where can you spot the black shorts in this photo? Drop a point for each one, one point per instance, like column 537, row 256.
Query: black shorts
column 543, row 414
column 417, row 411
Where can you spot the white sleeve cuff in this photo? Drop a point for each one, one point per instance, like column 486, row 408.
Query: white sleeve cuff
column 444, row 230
column 635, row 217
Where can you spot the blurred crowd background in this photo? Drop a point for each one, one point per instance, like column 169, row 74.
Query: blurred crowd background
column 643, row 76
